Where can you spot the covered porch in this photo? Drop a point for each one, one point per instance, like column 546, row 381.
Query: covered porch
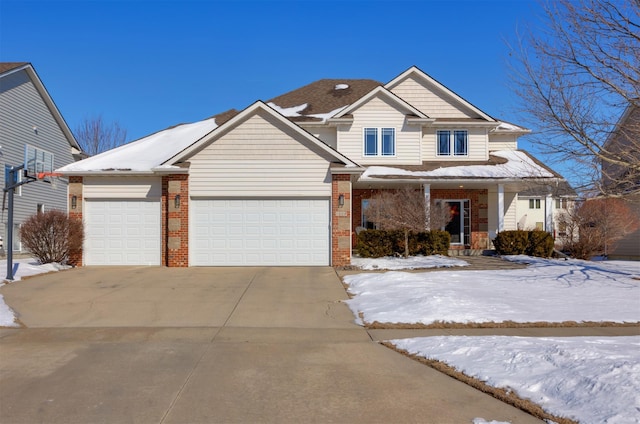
column 479, row 208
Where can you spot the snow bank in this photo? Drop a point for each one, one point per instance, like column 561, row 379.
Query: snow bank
column 412, row 262
column 587, row 379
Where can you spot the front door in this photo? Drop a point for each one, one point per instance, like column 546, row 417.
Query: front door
column 459, row 226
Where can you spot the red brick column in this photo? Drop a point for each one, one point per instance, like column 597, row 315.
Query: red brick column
column 75, row 189
column 341, row 220
column 175, row 220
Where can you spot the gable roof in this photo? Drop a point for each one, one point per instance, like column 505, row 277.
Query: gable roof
column 414, row 70
column 382, row 92
column 322, row 98
column 243, row 116
column 8, row 68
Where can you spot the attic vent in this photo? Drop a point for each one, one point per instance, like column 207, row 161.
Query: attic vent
column 341, row 86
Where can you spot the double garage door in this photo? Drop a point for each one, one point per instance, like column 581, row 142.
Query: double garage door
column 223, row 232
column 259, row 232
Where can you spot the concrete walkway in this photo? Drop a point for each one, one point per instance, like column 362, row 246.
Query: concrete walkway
column 212, row 345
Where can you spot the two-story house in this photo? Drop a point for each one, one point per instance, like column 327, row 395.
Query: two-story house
column 29, row 117
column 286, row 182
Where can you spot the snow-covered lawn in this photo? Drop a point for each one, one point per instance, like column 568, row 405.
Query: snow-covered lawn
column 589, row 379
column 548, row 290
column 21, row 268
column 412, row 262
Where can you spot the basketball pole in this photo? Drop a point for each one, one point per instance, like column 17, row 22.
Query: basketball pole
column 10, row 187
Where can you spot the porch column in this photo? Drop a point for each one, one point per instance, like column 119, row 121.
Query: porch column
column 548, row 214
column 500, row 207
column 341, row 220
column 427, row 206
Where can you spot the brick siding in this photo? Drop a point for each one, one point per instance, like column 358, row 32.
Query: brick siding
column 175, row 221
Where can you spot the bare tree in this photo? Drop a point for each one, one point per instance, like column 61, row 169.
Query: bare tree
column 404, row 209
column 596, row 225
column 575, row 77
column 96, row 136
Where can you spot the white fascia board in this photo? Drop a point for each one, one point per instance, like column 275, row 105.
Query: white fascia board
column 348, row 170
column 444, row 124
column 384, row 92
column 425, row 76
column 420, row 121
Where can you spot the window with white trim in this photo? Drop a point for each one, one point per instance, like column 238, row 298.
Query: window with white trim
column 453, row 142
column 379, row 141
column 534, row 203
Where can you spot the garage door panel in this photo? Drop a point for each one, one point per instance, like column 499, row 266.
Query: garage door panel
column 122, row 232
column 260, row 232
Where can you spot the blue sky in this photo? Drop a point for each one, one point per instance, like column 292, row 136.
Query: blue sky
column 153, row 64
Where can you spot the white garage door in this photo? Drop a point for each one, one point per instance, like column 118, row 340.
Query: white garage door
column 260, row 232
column 122, row 232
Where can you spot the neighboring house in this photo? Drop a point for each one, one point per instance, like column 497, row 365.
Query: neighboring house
column 285, row 182
column 28, row 116
column 539, row 201
column 625, row 140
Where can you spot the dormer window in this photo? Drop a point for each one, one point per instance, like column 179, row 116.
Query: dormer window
column 379, row 141
column 453, row 142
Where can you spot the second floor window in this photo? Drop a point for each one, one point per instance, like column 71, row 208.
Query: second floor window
column 534, row 203
column 453, row 142
column 379, row 141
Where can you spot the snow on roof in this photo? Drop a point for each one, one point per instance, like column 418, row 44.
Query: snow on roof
column 518, row 165
column 341, row 86
column 289, row 112
column 147, row 152
column 506, row 126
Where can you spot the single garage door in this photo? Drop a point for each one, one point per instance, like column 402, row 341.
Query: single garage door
column 122, row 232
column 260, row 232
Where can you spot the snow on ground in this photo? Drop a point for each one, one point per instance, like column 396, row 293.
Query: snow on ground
column 587, row 379
column 21, row 268
column 412, row 262
column 548, row 290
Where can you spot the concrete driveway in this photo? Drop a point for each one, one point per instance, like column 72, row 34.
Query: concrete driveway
column 211, row 345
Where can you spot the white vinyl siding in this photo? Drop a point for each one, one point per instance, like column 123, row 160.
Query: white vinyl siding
column 476, row 145
column 260, row 232
column 122, row 187
column 502, row 142
column 122, row 232
column 430, row 100
column 326, row 134
column 21, row 110
column 260, row 157
column 378, row 113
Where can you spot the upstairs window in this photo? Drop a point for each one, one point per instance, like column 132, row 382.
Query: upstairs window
column 454, row 142
column 534, row 203
column 379, row 142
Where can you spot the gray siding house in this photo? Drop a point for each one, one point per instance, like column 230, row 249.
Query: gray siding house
column 28, row 116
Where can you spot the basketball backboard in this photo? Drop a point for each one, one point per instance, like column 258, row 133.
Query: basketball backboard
column 37, row 161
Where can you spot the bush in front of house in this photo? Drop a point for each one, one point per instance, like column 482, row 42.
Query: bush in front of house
column 520, row 242
column 379, row 243
column 50, row 236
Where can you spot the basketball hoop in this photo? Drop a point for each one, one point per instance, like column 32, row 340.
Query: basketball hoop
column 50, row 177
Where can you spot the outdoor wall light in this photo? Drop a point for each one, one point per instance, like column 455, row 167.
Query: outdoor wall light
column 341, row 200
column 176, row 201
column 74, row 202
